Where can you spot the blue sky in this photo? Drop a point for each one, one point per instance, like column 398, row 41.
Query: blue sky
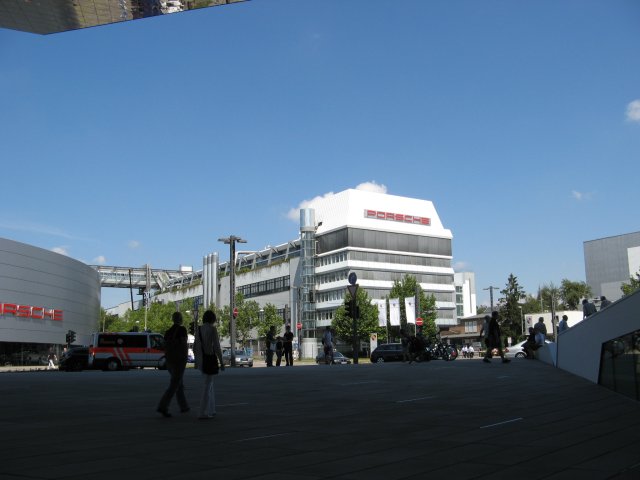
column 145, row 142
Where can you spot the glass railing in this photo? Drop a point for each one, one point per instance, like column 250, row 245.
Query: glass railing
column 620, row 365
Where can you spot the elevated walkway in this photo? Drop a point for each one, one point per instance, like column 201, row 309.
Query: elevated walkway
column 142, row 277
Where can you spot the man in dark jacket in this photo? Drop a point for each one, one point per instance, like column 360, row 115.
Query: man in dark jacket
column 176, row 355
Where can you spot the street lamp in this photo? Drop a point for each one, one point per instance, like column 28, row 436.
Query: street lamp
column 231, row 240
column 491, row 295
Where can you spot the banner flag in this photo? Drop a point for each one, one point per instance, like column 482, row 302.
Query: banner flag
column 410, row 309
column 382, row 311
column 394, row 311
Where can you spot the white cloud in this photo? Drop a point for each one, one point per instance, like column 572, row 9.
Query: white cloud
column 633, row 111
column 38, row 229
column 133, row 244
column 100, row 260
column 294, row 213
column 60, row 250
column 460, row 266
column 577, row 195
column 372, row 187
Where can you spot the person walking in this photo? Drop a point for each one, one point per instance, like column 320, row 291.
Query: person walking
column 562, row 325
column 327, row 342
column 494, row 339
column 406, row 346
column 288, row 346
column 588, row 308
column 207, row 345
column 271, row 345
column 484, row 333
column 279, row 350
column 52, row 359
column 604, row 303
column 176, row 356
column 540, row 326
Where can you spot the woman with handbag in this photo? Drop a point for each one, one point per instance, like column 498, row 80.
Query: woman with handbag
column 208, row 360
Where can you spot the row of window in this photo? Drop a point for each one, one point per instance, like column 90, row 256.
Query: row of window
column 374, row 240
column 265, row 287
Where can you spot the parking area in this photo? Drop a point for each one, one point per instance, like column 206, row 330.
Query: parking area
column 393, row 421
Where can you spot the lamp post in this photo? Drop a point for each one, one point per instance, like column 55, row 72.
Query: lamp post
column 522, row 320
column 231, row 240
column 491, row 295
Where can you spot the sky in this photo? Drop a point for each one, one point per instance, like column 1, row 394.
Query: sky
column 146, row 141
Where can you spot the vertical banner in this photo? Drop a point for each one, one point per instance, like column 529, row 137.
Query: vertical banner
column 410, row 309
column 394, row 311
column 382, row 311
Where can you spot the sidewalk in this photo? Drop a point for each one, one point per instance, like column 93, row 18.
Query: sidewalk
column 461, row 419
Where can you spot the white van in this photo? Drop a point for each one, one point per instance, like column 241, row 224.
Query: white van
column 122, row 350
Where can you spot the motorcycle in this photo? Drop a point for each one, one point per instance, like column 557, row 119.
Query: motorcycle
column 441, row 350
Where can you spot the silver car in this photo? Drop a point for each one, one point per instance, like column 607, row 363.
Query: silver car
column 243, row 359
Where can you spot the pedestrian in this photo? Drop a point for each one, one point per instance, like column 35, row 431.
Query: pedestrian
column 288, row 346
column 531, row 345
column 405, row 340
column 279, row 350
column 494, row 339
column 327, row 342
column 588, row 308
column 465, row 351
column 52, row 359
column 209, row 361
column 540, row 326
column 176, row 356
column 563, row 326
column 271, row 345
column 470, row 351
column 484, row 332
column 604, row 302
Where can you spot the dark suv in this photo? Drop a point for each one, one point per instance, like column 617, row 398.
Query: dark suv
column 74, row 359
column 387, row 352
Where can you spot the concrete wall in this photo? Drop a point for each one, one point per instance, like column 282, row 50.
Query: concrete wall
column 36, row 277
column 579, row 348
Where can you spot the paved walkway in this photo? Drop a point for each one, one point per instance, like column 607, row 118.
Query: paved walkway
column 459, row 420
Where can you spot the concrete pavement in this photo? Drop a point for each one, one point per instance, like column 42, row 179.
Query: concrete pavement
column 462, row 419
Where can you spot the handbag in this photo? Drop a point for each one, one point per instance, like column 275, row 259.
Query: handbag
column 209, row 362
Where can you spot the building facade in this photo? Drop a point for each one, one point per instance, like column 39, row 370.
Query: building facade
column 43, row 295
column 610, row 262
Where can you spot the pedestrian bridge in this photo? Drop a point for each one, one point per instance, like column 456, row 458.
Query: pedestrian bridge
column 144, row 277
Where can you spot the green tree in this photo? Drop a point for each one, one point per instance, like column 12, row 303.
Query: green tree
column 269, row 318
column 571, row 293
column 408, row 287
column 247, row 319
column 632, row 286
column 510, row 310
column 367, row 322
column 549, row 297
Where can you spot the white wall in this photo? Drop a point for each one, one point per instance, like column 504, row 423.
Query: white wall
column 579, row 348
column 41, row 278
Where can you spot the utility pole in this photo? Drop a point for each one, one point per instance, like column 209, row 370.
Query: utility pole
column 231, row 240
column 491, row 294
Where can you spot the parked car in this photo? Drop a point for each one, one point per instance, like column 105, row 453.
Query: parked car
column 338, row 358
column 74, row 359
column 515, row 350
column 387, row 352
column 243, row 359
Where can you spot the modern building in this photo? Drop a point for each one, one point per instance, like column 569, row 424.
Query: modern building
column 54, row 16
column 378, row 237
column 610, row 262
column 43, row 296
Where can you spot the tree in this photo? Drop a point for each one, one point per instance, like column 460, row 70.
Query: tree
column 246, row 321
column 367, row 322
column 549, row 297
column 632, row 286
column 571, row 293
column 408, row 287
column 510, row 308
column 269, row 318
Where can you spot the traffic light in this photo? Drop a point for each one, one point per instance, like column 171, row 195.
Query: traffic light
column 70, row 337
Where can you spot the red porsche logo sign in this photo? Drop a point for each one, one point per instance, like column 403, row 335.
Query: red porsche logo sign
column 397, row 217
column 27, row 311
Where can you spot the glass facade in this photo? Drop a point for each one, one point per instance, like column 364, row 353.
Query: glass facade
column 54, row 16
column 620, row 365
column 375, row 240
